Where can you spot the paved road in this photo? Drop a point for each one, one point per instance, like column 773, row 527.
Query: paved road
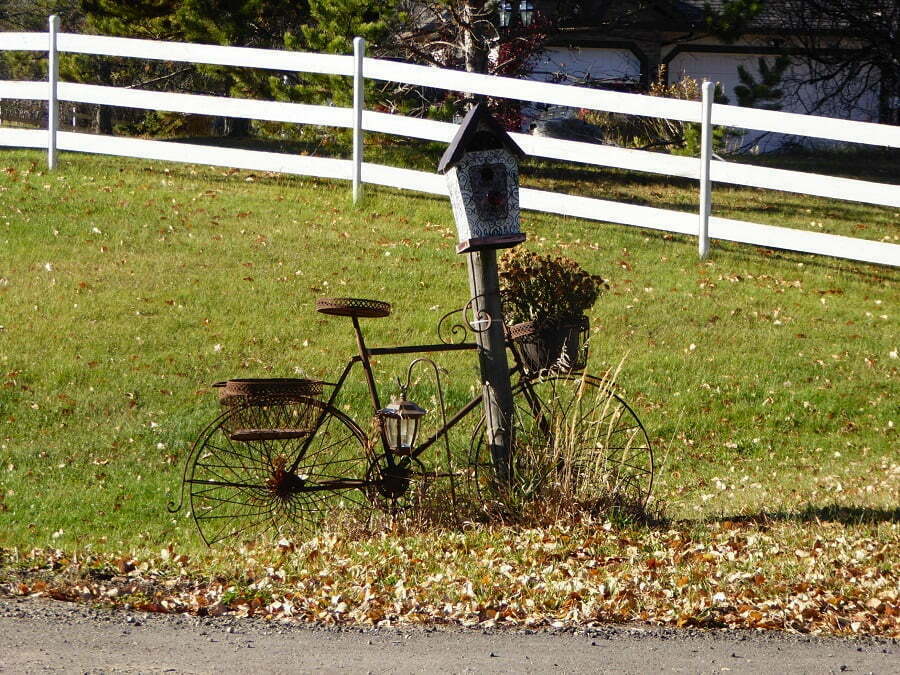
column 40, row 636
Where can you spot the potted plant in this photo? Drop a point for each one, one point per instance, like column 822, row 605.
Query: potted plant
column 544, row 301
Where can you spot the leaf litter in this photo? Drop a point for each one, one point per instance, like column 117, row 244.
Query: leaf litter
column 830, row 579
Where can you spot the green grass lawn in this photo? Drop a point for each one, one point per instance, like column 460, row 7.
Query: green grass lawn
column 767, row 380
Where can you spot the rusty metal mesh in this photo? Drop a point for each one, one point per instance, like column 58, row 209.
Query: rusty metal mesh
column 358, row 307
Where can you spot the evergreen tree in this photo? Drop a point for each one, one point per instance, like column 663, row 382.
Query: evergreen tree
column 240, row 23
column 147, row 19
column 309, row 25
column 731, row 18
column 28, row 16
column 331, row 27
column 763, row 94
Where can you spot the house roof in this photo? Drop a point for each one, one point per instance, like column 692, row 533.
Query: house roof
column 780, row 15
column 478, row 131
column 775, row 16
column 770, row 16
column 684, row 15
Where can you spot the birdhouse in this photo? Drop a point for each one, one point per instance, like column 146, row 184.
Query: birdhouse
column 482, row 169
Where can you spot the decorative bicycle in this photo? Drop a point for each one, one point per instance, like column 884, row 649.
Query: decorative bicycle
column 283, row 454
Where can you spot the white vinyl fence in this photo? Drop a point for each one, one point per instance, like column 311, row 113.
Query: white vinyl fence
column 703, row 225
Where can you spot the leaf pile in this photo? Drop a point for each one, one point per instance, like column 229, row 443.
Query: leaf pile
column 836, row 580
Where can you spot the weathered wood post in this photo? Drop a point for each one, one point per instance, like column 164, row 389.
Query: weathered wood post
column 481, row 164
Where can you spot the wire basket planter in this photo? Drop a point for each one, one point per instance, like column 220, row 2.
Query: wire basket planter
column 557, row 347
column 269, row 409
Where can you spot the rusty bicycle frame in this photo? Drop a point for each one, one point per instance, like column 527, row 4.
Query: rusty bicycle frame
column 364, row 358
column 232, row 484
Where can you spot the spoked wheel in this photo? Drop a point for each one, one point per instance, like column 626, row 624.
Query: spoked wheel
column 571, row 433
column 399, row 487
column 280, row 466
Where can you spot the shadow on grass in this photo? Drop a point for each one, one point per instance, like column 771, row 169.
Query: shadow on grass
column 750, row 253
column 830, row 513
column 284, row 146
column 859, row 162
column 423, row 155
column 569, row 177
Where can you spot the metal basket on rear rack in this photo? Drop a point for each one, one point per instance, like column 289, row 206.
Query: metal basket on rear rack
column 270, row 408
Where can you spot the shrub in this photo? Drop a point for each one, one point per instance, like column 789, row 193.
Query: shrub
column 544, row 288
column 681, row 138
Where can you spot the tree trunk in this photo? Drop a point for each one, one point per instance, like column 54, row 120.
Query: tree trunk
column 889, row 96
column 237, row 127
column 103, row 115
column 103, row 119
column 475, row 36
column 515, row 16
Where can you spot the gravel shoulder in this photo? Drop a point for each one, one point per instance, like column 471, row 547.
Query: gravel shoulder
column 41, row 636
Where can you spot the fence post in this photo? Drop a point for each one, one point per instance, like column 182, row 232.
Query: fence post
column 52, row 103
column 705, row 157
column 359, row 51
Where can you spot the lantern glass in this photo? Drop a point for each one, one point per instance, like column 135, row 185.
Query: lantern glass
column 400, row 421
column 407, row 432
column 391, row 427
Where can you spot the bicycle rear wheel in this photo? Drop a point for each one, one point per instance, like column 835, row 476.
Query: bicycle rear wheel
column 571, row 433
column 280, row 467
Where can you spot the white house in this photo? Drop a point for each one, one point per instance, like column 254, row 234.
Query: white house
column 627, row 55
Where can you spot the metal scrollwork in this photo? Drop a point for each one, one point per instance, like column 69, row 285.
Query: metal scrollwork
column 480, row 320
column 450, row 333
column 472, row 319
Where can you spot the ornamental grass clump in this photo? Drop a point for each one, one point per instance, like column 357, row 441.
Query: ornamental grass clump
column 548, row 290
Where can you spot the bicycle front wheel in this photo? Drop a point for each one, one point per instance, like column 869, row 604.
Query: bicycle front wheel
column 280, row 467
column 572, row 436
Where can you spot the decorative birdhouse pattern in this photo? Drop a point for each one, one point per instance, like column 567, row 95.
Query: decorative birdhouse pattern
column 483, row 179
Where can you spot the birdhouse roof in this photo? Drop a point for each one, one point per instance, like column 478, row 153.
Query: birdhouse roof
column 478, row 131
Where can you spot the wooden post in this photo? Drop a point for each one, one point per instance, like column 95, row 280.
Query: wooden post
column 498, row 404
column 483, row 180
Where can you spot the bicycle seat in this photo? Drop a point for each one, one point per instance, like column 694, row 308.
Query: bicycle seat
column 358, row 307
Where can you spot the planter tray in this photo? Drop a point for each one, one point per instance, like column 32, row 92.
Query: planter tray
column 244, row 435
column 355, row 307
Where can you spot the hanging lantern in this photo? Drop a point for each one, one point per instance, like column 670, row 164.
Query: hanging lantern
column 400, row 423
column 482, row 169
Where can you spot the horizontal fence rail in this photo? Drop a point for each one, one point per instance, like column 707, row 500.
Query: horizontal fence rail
column 30, row 42
column 23, row 138
column 378, row 122
column 795, row 124
column 254, row 160
column 244, row 57
column 572, row 151
column 531, row 90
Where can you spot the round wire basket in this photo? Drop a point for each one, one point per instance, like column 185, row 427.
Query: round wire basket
column 559, row 348
column 269, row 408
